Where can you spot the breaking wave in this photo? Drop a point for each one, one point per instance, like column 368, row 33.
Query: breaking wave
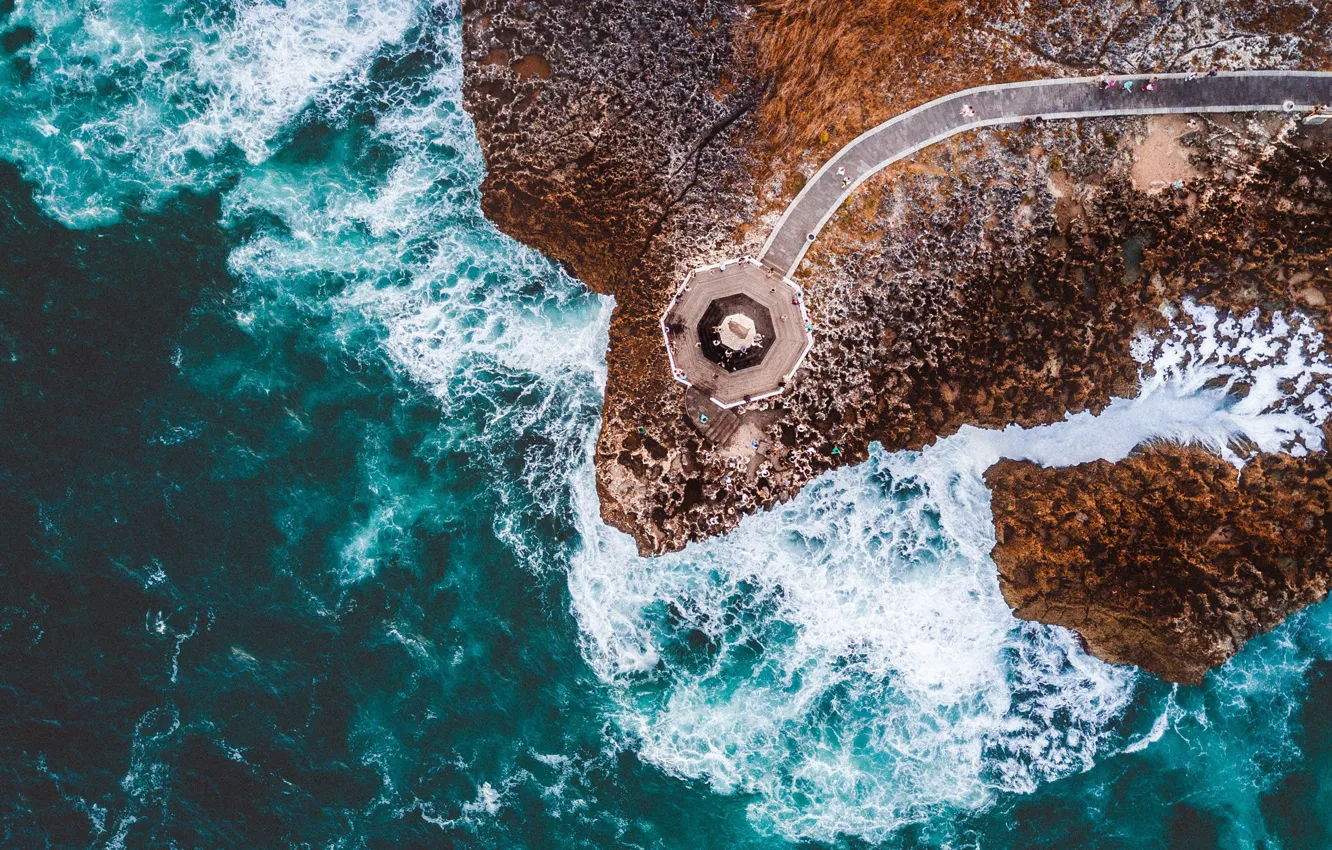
column 846, row 659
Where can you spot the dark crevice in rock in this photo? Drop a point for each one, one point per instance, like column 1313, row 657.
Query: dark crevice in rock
column 695, row 156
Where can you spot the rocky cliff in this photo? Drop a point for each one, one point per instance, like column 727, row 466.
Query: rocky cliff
column 994, row 279
column 1170, row 559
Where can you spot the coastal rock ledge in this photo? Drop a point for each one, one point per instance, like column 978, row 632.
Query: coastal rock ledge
column 995, row 278
column 1167, row 560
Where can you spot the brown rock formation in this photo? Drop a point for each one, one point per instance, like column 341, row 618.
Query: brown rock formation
column 997, row 278
column 1168, row 560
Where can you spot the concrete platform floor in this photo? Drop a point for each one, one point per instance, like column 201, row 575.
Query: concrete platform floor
column 791, row 338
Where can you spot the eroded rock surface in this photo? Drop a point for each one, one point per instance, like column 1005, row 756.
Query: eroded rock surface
column 996, row 278
column 1168, row 560
column 607, row 127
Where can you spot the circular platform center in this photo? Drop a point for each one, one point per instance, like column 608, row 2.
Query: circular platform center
column 736, row 331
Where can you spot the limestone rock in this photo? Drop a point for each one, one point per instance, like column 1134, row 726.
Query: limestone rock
column 1168, row 560
column 993, row 279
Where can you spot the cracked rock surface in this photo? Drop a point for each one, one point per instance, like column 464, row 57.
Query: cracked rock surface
column 996, row 278
column 1168, row 560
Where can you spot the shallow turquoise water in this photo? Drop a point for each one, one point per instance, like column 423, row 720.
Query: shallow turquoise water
column 302, row 548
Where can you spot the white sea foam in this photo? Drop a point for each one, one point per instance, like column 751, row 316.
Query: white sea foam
column 487, row 801
column 1281, row 360
column 149, row 769
column 862, row 670
column 126, row 101
column 272, row 60
column 848, row 657
column 500, row 337
column 475, row 815
column 1158, row 730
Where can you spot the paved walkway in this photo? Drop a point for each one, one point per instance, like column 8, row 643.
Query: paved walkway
column 1012, row 103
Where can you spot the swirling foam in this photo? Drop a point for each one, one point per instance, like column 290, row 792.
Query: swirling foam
column 128, row 100
column 848, row 657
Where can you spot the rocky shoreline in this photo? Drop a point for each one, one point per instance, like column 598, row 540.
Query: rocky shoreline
column 1168, row 560
column 993, row 279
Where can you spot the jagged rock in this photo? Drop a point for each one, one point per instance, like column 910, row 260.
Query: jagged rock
column 990, row 280
column 1168, row 560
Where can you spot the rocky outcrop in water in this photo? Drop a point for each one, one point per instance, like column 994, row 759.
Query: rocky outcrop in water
column 993, row 279
column 1168, row 560
column 617, row 138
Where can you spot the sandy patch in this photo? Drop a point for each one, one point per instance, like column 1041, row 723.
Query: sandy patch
column 1161, row 158
column 1065, row 192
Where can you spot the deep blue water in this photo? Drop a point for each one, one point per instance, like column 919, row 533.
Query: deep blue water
column 300, row 545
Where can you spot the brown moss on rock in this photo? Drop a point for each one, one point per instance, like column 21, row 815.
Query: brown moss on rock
column 989, row 287
column 1168, row 560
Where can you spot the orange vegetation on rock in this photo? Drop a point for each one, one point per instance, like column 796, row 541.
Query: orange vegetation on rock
column 1168, row 560
column 835, row 66
column 842, row 66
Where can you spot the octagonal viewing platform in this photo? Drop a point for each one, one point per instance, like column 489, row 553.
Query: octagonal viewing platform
column 736, row 331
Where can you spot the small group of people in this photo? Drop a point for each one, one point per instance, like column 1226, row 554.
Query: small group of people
column 727, row 352
column 1127, row 85
column 1107, row 83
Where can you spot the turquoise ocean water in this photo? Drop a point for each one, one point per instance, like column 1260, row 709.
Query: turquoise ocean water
column 301, row 548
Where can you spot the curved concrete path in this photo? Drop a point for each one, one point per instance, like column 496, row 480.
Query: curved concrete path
column 1012, row 103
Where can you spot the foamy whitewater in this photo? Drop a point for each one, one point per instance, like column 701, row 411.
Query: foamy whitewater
column 844, row 662
column 849, row 658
